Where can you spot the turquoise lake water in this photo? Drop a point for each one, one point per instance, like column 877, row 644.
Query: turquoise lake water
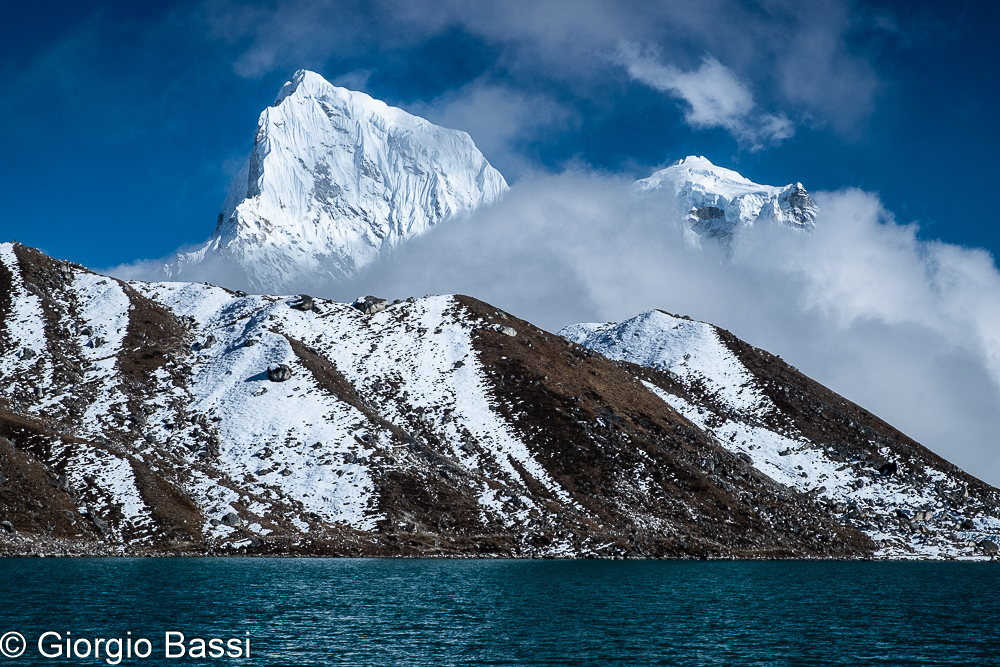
column 481, row 612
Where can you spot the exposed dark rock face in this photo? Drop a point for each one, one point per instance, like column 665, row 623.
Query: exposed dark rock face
column 370, row 305
column 802, row 210
column 709, row 213
column 279, row 373
column 302, row 302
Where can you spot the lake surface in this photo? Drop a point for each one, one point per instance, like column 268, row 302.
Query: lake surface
column 485, row 612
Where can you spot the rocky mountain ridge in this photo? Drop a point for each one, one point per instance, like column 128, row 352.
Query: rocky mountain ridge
column 802, row 435
column 177, row 417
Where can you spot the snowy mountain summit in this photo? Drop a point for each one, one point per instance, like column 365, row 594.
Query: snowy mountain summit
column 716, row 202
column 335, row 178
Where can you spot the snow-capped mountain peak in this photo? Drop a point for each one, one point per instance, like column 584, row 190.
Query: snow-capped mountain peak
column 716, row 201
column 335, row 178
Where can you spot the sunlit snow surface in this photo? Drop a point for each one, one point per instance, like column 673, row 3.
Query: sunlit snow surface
column 335, row 178
column 717, row 202
column 695, row 355
column 27, row 335
column 105, row 307
column 297, row 437
column 231, row 439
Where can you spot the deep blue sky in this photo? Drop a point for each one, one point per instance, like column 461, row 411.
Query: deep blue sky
column 123, row 122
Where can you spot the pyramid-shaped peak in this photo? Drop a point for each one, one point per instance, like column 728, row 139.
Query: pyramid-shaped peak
column 336, row 178
column 310, row 87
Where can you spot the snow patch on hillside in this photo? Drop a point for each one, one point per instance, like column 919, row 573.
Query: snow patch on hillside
column 680, row 346
column 295, row 438
column 27, row 336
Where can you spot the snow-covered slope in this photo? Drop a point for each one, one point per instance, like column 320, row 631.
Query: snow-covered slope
column 335, row 179
column 910, row 502
column 140, row 417
column 717, row 202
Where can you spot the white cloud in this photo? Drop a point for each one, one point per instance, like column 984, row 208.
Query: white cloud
column 715, row 97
